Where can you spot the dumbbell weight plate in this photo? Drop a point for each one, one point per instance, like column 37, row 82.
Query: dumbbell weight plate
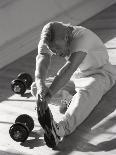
column 18, row 86
column 26, row 120
column 26, row 78
column 19, row 132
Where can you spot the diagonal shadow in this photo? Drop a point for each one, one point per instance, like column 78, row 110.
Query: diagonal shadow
column 10, row 72
column 35, row 139
column 103, row 24
column 107, row 145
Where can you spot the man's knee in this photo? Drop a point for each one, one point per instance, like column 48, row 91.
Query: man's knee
column 70, row 87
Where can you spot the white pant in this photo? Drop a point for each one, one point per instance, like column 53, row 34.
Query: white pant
column 89, row 91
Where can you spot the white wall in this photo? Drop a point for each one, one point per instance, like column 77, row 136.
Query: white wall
column 21, row 21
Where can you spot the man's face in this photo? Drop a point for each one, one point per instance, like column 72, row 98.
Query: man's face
column 60, row 48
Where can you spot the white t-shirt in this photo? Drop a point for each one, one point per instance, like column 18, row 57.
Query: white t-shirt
column 87, row 41
column 97, row 56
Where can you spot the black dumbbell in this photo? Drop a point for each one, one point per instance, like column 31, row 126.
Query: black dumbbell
column 19, row 131
column 22, row 83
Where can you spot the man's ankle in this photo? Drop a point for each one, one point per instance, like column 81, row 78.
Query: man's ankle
column 61, row 130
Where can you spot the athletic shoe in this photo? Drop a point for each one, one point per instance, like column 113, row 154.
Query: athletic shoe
column 65, row 102
column 64, row 106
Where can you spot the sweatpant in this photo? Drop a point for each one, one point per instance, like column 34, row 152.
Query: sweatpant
column 89, row 91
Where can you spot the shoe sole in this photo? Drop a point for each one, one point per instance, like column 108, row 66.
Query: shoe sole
column 46, row 121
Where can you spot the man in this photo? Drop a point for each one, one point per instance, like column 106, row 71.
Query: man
column 87, row 67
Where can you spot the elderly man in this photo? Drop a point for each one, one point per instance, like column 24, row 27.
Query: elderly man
column 87, row 67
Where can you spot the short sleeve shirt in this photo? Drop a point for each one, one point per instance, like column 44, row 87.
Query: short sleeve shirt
column 87, row 41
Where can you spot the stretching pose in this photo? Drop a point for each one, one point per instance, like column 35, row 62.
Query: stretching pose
column 87, row 67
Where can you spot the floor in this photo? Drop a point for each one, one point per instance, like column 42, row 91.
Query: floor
column 95, row 136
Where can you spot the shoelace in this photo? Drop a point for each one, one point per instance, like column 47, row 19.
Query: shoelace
column 67, row 103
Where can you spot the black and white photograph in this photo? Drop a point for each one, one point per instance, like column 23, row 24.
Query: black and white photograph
column 57, row 77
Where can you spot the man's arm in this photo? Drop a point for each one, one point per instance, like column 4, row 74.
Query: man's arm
column 42, row 63
column 65, row 73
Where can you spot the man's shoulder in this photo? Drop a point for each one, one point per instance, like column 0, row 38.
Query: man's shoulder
column 79, row 31
column 43, row 48
column 78, row 28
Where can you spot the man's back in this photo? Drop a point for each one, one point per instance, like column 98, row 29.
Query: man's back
column 87, row 41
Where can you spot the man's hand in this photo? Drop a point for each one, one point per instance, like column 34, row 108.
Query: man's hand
column 43, row 97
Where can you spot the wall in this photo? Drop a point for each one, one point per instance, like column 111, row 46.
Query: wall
column 21, row 21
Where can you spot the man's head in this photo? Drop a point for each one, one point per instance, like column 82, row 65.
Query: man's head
column 57, row 36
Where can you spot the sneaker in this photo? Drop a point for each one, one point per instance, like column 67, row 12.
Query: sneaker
column 65, row 102
column 64, row 106
column 51, row 128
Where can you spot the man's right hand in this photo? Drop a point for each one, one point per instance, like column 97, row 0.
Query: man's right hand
column 40, row 89
column 41, row 104
column 43, row 96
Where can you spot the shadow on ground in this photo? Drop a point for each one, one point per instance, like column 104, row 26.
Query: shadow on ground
column 35, row 139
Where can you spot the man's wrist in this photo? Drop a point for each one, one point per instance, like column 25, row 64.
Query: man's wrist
column 39, row 82
column 49, row 94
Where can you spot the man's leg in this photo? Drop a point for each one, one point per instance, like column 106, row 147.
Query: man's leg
column 89, row 92
column 69, row 87
column 53, row 133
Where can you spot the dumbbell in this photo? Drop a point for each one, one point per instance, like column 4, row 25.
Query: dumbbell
column 22, row 83
column 20, row 131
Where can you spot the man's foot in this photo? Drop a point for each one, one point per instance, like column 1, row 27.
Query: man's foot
column 64, row 106
column 51, row 129
column 65, row 102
